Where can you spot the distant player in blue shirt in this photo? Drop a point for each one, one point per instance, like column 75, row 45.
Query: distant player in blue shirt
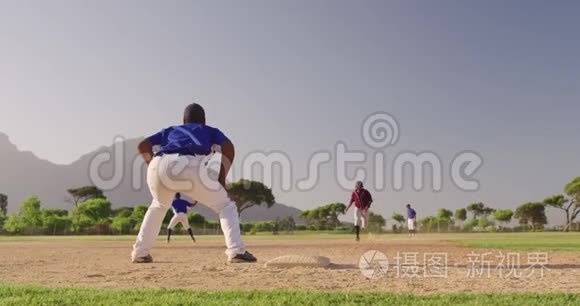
column 411, row 221
column 180, row 208
column 179, row 166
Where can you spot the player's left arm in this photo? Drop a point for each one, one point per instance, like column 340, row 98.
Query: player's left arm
column 370, row 200
column 228, row 154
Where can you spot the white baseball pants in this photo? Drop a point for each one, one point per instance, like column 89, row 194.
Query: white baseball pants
column 361, row 217
column 179, row 218
column 172, row 173
column 411, row 223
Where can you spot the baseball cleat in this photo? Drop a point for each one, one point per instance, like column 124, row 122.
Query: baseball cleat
column 190, row 231
column 240, row 258
column 144, row 259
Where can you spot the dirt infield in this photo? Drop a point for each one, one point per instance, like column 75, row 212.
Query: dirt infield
column 106, row 264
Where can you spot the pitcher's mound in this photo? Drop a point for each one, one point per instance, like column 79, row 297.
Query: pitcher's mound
column 289, row 261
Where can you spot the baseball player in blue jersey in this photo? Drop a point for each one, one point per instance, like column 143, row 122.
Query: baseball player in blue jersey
column 411, row 221
column 180, row 207
column 179, row 166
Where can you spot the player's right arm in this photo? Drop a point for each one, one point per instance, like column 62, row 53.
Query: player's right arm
column 350, row 203
column 145, row 147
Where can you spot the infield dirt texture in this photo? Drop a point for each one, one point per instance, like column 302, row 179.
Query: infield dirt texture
column 105, row 263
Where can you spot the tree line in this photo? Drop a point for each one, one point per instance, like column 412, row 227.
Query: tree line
column 326, row 218
column 92, row 214
column 475, row 217
column 530, row 215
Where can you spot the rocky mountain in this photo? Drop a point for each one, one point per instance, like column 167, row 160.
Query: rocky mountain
column 117, row 169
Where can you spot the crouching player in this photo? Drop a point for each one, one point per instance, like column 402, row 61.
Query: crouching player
column 179, row 207
column 178, row 166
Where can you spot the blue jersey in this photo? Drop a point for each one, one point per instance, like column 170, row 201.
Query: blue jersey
column 180, row 206
column 187, row 139
column 411, row 214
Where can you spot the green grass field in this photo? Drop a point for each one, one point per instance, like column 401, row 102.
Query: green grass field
column 540, row 241
column 32, row 295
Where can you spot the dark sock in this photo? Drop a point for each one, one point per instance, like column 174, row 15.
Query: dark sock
column 168, row 234
column 190, row 231
column 357, row 230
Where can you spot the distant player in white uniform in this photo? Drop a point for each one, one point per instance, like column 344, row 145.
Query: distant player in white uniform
column 180, row 208
column 411, row 221
column 362, row 200
column 179, row 166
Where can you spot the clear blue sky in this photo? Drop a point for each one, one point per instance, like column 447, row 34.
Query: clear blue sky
column 498, row 77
